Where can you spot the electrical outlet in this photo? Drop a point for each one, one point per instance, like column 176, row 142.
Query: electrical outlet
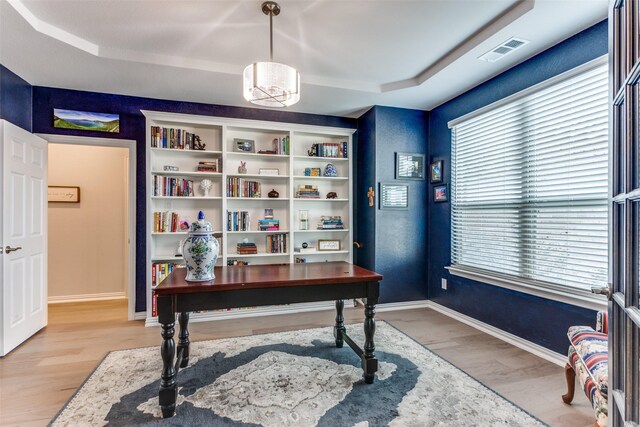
column 443, row 284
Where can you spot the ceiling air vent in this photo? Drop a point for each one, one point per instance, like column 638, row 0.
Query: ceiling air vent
column 503, row 49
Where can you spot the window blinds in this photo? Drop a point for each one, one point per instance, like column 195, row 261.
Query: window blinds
column 530, row 185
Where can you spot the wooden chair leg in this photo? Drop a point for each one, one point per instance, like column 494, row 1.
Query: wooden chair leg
column 570, row 375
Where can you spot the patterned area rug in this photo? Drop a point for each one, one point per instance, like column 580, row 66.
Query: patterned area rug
column 293, row 378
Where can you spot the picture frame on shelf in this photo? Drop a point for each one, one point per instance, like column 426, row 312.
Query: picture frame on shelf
column 244, row 145
column 436, row 171
column 63, row 194
column 326, row 245
column 394, row 196
column 410, row 166
column 441, row 193
column 269, row 171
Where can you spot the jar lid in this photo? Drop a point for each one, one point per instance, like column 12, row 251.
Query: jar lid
column 201, row 226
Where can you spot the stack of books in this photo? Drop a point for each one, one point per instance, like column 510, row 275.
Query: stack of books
column 212, row 166
column 268, row 224
column 308, row 192
column 247, row 248
column 330, row 223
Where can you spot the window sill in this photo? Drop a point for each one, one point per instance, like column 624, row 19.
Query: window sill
column 577, row 297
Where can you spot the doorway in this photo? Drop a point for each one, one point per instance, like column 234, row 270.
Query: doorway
column 92, row 241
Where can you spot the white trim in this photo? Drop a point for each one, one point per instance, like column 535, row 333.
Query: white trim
column 130, row 144
column 575, row 297
column 535, row 88
column 397, row 306
column 87, row 297
column 140, row 315
column 538, row 350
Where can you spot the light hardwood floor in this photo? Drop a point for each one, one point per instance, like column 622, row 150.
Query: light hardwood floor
column 38, row 377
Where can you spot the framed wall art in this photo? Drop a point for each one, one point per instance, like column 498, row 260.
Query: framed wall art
column 409, row 166
column 394, row 196
column 436, row 171
column 63, row 194
column 441, row 193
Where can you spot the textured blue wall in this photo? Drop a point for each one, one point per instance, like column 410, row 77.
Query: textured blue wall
column 536, row 319
column 399, row 250
column 15, row 99
column 132, row 126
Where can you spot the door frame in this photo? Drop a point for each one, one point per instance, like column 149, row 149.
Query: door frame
column 130, row 144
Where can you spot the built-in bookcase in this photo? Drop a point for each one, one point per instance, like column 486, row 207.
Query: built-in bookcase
column 221, row 136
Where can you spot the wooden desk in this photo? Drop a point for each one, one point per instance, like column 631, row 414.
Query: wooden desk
column 258, row 285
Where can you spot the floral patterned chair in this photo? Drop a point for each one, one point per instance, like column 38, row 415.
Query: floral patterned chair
column 588, row 359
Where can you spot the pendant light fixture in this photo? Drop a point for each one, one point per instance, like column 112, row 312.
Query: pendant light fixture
column 271, row 84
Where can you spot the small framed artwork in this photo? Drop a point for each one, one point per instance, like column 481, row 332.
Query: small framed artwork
column 85, row 120
column 394, row 196
column 441, row 193
column 269, row 171
column 436, row 169
column 63, row 194
column 409, row 166
column 329, row 245
column 244, row 145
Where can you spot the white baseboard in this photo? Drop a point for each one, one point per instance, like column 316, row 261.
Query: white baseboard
column 140, row 315
column 538, row 350
column 407, row 305
column 87, row 297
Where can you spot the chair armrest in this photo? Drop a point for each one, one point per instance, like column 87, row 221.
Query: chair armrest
column 602, row 322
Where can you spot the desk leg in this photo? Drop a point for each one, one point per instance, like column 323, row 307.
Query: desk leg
column 168, row 387
column 369, row 361
column 183, row 342
column 339, row 327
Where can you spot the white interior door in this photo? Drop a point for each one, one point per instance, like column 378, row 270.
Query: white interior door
column 23, row 228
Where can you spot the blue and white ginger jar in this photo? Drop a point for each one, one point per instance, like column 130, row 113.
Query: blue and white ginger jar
column 200, row 251
column 330, row 170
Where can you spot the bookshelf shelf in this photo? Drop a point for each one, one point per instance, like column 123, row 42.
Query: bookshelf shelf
column 219, row 134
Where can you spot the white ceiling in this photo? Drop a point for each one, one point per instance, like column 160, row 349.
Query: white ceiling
column 350, row 54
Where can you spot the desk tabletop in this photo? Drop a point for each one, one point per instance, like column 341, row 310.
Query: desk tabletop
column 265, row 276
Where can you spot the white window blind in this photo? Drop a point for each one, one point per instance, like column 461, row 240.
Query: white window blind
column 530, row 185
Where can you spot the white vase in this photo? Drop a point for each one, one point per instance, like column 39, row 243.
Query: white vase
column 200, row 251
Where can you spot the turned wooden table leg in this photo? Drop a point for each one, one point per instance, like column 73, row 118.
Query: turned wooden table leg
column 570, row 375
column 183, row 342
column 369, row 361
column 168, row 388
column 339, row 327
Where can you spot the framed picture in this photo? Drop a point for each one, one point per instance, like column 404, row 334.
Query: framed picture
column 394, row 196
column 85, row 120
column 409, row 166
column 269, row 171
column 63, row 194
column 244, row 145
column 441, row 193
column 329, row 245
column 436, row 169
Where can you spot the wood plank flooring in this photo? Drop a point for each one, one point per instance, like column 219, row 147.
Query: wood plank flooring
column 38, row 377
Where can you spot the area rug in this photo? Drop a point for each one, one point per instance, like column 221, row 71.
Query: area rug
column 296, row 378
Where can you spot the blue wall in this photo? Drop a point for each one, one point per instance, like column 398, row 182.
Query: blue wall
column 535, row 319
column 132, row 126
column 15, row 99
column 394, row 240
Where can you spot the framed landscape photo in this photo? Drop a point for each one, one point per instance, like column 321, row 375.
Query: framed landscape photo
column 244, row 145
column 436, row 169
column 329, row 245
column 409, row 166
column 441, row 193
column 394, row 196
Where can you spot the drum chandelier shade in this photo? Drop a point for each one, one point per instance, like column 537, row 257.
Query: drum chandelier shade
column 271, row 84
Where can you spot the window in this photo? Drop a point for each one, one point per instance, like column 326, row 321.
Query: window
column 530, row 185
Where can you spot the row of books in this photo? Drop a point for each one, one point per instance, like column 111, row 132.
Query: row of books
column 179, row 139
column 278, row 146
column 209, row 166
column 171, row 186
column 330, row 149
column 330, row 223
column 246, row 248
column 277, row 244
column 240, row 187
column 307, row 192
column 238, row 221
column 159, row 271
column 268, row 224
column 237, row 262
column 166, row 222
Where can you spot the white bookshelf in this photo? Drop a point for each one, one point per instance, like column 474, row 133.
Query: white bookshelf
column 218, row 134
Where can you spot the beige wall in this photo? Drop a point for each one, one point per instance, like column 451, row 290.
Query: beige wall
column 87, row 240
